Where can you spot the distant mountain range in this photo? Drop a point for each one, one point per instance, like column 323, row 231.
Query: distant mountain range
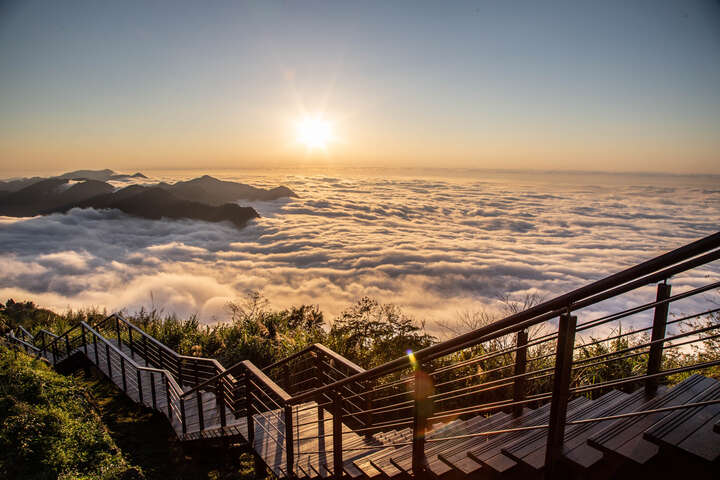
column 204, row 198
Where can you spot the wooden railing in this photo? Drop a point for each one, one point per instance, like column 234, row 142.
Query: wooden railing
column 532, row 357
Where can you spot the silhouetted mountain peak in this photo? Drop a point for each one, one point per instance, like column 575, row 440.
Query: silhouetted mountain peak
column 203, row 198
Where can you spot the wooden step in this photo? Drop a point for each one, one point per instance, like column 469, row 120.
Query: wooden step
column 402, row 458
column 529, row 451
column 624, row 438
column 436, row 466
column 691, row 429
column 490, row 447
column 365, row 464
column 502, row 463
column 386, row 465
column 576, row 451
column 457, row 458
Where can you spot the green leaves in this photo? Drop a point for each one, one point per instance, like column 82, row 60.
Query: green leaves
column 48, row 428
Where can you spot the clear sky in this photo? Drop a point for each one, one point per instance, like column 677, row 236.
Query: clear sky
column 581, row 85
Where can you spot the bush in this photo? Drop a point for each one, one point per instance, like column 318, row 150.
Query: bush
column 49, row 428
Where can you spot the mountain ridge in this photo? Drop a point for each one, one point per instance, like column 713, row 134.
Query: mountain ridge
column 204, row 198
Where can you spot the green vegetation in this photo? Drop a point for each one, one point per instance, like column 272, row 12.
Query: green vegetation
column 367, row 332
column 49, row 427
column 146, row 439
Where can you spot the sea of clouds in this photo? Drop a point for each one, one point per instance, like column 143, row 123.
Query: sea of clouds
column 435, row 246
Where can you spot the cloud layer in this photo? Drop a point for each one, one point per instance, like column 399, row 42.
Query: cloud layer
column 433, row 246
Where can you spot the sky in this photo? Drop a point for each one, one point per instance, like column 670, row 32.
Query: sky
column 548, row 85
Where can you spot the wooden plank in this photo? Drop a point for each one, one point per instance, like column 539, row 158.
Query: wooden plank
column 496, row 460
column 691, row 429
column 457, row 457
column 530, row 451
column 401, row 458
column 576, row 450
column 624, row 437
column 366, row 462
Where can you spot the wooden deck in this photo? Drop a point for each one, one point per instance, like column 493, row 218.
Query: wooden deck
column 517, row 451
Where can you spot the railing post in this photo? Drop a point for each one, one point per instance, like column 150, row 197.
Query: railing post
column 117, row 329
column 152, row 390
column 145, row 350
column 337, row 414
column 201, row 415
column 55, row 352
column 519, row 387
column 422, row 410
column 95, row 348
column 132, row 347
column 84, row 341
column 67, row 346
column 220, row 395
column 180, row 374
column 289, row 443
column 319, row 378
column 658, row 333
column 248, row 411
column 182, row 415
column 160, row 358
column 107, row 357
column 122, row 372
column 167, row 396
column 561, row 393
column 139, row 383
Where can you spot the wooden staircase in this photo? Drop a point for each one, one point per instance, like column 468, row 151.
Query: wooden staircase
column 439, row 414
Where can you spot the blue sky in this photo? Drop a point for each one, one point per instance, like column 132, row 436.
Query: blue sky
column 580, row 85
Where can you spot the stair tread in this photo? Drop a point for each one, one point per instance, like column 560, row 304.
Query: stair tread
column 577, row 451
column 499, row 462
column 530, row 450
column 691, row 429
column 624, row 437
column 390, row 469
column 457, row 457
column 403, row 459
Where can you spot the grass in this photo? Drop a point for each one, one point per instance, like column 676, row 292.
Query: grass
column 50, row 429
column 82, row 426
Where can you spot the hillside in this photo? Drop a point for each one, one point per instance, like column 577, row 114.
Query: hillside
column 49, row 427
column 204, row 198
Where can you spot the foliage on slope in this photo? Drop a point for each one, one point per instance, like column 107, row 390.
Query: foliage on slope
column 49, row 428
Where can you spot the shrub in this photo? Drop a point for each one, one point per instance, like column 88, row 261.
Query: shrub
column 49, row 428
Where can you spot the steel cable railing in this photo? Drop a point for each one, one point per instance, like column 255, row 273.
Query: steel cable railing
column 499, row 367
column 495, row 378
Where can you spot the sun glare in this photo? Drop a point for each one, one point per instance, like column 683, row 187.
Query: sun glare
column 314, row 133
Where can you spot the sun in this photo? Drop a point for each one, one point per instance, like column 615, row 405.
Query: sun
column 314, row 132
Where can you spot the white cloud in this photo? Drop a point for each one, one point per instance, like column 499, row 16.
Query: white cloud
column 433, row 247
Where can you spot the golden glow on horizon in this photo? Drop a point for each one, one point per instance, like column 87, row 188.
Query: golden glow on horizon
column 314, row 132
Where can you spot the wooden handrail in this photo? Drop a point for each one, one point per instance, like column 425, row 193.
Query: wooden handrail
column 267, row 381
column 529, row 317
column 66, row 333
column 169, row 350
column 289, row 358
column 102, row 339
column 338, row 358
